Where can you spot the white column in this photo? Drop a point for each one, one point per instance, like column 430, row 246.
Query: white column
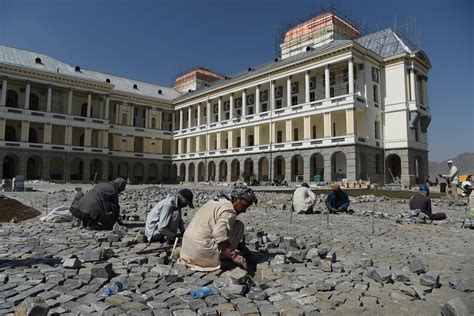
column 350, row 72
column 219, row 109
column 412, row 85
column 231, row 101
column 208, row 113
column 181, row 119
column 271, row 104
column 4, row 92
column 244, row 103
column 131, row 111
column 306, row 86
column 327, row 82
column 198, row 116
column 101, row 107
column 288, row 91
column 49, row 100
column 107, row 108
column 69, row 102
column 89, row 104
column 190, row 116
column 27, row 95
column 147, row 118
column 424, row 82
column 173, row 124
column 257, row 99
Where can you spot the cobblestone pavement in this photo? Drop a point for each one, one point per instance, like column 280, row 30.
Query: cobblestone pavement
column 359, row 264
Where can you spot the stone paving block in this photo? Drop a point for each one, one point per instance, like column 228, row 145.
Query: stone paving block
column 454, row 307
column 33, row 306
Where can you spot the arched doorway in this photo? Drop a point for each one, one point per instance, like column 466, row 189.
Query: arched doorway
column 12, row 99
column 34, row 102
column 279, row 168
column 211, row 171
column 77, row 169
column 191, row 172
column 182, row 172
column 316, row 167
column 10, row 134
column 393, row 165
column 201, row 171
column 263, row 169
column 223, row 171
column 95, row 167
column 56, row 169
column 123, row 170
column 32, row 136
column 165, row 173
column 248, row 169
column 33, row 168
column 297, row 168
column 338, row 166
column 362, row 169
column 11, row 165
column 234, row 170
column 152, row 173
column 138, row 173
column 174, row 173
column 110, row 171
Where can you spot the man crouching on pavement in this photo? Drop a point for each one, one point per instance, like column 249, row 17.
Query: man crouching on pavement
column 337, row 200
column 214, row 233
column 164, row 219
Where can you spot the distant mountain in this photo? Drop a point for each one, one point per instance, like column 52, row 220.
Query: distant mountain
column 464, row 162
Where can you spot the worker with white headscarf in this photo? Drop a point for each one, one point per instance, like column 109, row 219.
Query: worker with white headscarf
column 453, row 179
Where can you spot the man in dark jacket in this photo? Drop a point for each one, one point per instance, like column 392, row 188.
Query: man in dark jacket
column 99, row 208
column 337, row 200
column 422, row 202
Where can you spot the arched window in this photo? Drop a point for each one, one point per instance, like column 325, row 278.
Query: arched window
column 12, row 99
column 32, row 137
column 153, row 122
column 34, row 102
column 84, row 110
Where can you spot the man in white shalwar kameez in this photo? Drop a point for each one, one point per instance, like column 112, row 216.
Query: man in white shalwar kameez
column 215, row 232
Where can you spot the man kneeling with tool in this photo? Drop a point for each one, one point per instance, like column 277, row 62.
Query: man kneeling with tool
column 422, row 202
column 214, row 233
column 164, row 219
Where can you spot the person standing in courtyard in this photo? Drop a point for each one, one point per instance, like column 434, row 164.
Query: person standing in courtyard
column 214, row 234
column 453, row 179
column 99, row 208
column 337, row 200
column 303, row 200
column 164, row 219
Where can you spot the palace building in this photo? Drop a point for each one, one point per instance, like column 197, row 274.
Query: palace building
column 335, row 105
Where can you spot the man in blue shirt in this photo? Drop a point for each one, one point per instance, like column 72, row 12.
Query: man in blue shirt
column 337, row 200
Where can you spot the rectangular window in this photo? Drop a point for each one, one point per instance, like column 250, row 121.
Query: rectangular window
column 238, row 142
column 333, row 129
column 377, row 129
column 251, row 140
column 227, row 116
column 332, row 78
column 345, row 75
column 250, row 112
column 278, row 104
column 264, row 107
column 279, row 136
column 239, row 112
column 294, row 100
column 226, row 143
column 416, row 133
column 376, row 93
column 331, row 92
column 295, row 135
column 314, row 132
column 312, row 96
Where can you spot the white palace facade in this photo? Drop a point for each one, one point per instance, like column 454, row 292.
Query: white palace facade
column 335, row 105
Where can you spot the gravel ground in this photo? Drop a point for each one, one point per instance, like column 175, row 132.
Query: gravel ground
column 359, row 264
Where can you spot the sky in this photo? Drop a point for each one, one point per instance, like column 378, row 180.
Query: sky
column 154, row 41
